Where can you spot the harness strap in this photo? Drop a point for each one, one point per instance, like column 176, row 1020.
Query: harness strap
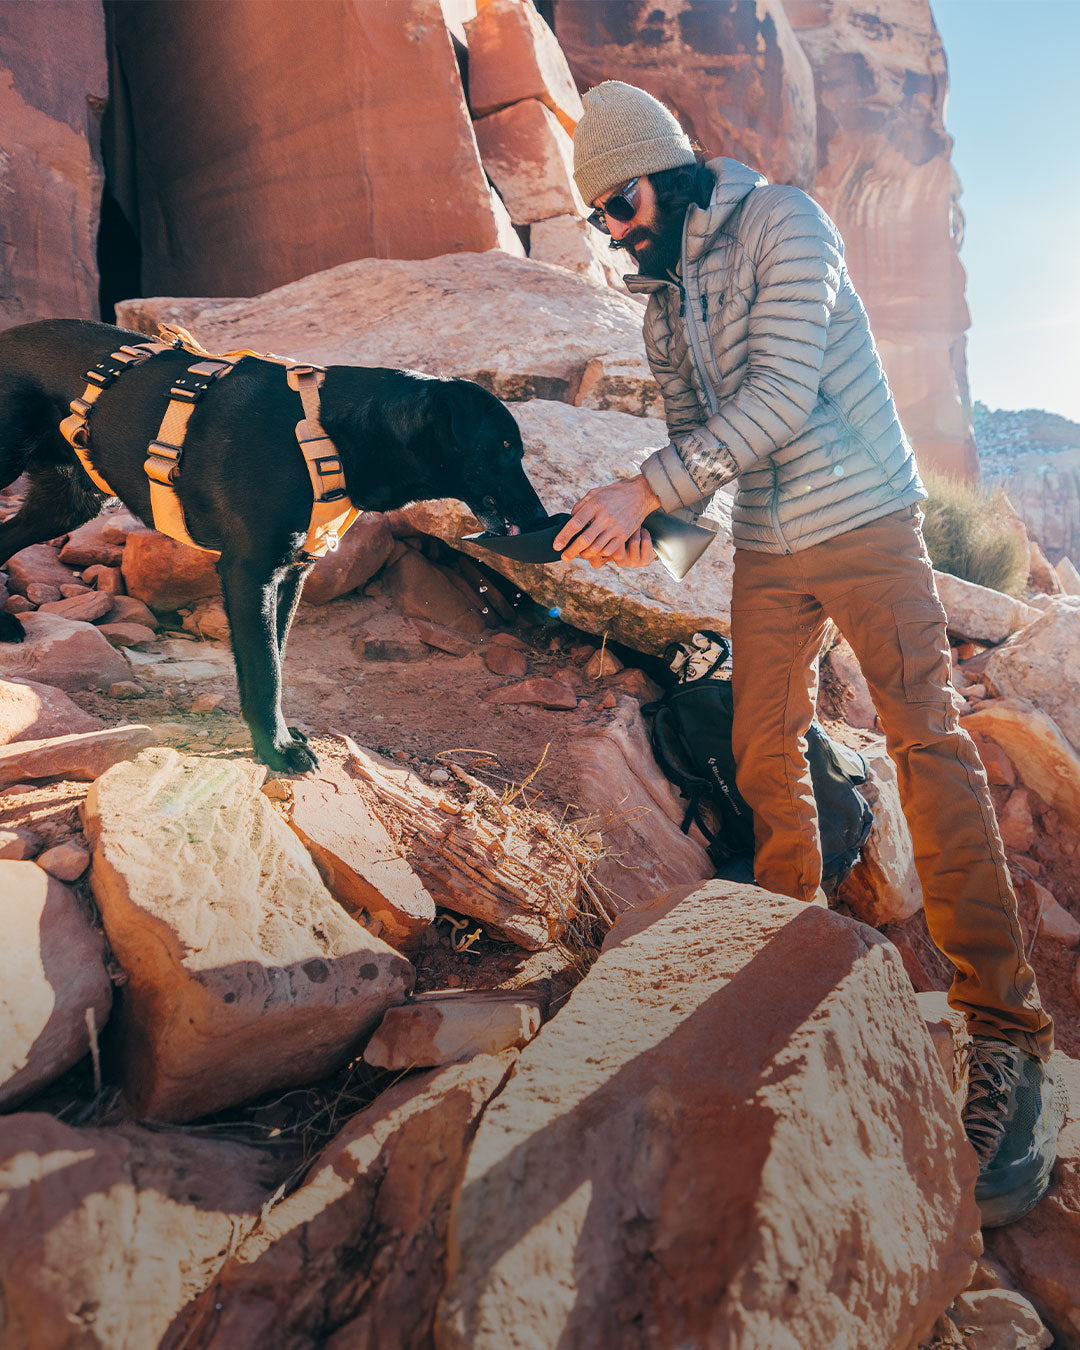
column 162, row 465
column 332, row 512
column 75, row 427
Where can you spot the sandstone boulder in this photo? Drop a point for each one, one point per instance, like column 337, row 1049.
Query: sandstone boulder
column 999, row 1319
column 88, row 545
column 63, row 653
column 567, row 451
column 1039, row 753
column 363, row 549
column 449, row 1025
column 355, row 1257
column 634, row 1185
column 1054, row 920
column 979, row 613
column 243, row 974
column 66, row 861
column 52, row 980
column 31, row 712
column 883, row 887
column 858, row 706
column 86, row 608
column 1041, row 575
column 614, row 781
column 38, row 565
column 530, row 159
column 571, row 242
column 1038, row 664
column 948, row 1031
column 1015, row 823
column 521, row 328
column 207, row 619
column 165, row 573
column 81, row 756
column 1042, row 1250
column 1068, row 576
column 126, row 609
column 514, row 55
column 107, row 1234
column 362, row 867
column 421, row 590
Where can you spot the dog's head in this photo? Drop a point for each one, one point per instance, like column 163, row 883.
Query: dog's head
column 482, row 461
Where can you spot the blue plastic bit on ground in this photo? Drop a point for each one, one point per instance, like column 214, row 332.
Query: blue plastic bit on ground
column 555, row 612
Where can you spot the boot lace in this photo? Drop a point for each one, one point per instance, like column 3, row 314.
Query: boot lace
column 993, row 1073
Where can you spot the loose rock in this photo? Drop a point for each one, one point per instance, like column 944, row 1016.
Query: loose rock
column 542, row 692
column 61, row 652
column 32, row 712
column 243, row 974
column 52, row 974
column 66, row 862
column 81, row 756
column 441, row 1028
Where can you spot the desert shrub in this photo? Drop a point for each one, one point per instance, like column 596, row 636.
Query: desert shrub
column 973, row 534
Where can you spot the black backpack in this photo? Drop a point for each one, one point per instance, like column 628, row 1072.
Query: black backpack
column 691, row 739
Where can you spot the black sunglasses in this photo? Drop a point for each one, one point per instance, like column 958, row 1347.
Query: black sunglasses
column 618, row 207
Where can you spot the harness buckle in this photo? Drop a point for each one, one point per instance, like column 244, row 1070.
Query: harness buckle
column 325, row 465
column 80, row 407
column 189, row 393
column 163, row 463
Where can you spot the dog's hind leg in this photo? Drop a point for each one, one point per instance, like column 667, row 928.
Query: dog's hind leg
column 59, row 498
column 253, row 602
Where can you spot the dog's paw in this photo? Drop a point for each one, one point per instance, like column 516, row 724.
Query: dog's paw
column 301, row 758
column 298, row 735
column 11, row 630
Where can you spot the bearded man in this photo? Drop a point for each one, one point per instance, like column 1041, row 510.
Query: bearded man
column 771, row 379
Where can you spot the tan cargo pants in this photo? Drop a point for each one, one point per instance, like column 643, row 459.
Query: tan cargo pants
column 877, row 584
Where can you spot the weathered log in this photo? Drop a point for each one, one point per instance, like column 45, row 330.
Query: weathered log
column 504, row 865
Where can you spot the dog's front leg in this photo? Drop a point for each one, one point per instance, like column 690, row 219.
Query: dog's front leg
column 252, row 604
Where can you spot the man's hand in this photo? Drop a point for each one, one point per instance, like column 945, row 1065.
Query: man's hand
column 605, row 525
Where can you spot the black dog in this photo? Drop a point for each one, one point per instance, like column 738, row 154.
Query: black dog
column 401, row 436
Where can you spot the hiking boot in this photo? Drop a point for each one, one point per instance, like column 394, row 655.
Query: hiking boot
column 1013, row 1114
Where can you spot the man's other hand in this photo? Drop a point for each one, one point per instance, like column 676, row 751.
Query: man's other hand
column 605, row 526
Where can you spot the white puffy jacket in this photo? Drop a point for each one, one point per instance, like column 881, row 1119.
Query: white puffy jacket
column 769, row 373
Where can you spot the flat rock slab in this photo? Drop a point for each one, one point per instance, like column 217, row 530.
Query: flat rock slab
column 359, row 1249
column 1042, row 1250
column 107, row 1234
column 243, row 973
column 30, row 711
column 446, row 1026
column 82, row 756
column 62, row 652
column 362, row 866
column 52, row 971
column 567, row 451
column 980, row 613
column 612, row 777
column 736, row 1132
column 1039, row 665
column 521, row 328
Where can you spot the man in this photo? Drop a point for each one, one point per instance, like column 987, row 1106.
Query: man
column 770, row 378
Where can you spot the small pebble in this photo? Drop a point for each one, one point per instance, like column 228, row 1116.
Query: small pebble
column 439, row 776
column 126, row 689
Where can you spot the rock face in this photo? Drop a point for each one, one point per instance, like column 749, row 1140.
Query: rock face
column 513, row 55
column 52, row 974
column 636, row 811
column 359, row 1249
column 106, row 1234
column 53, row 83
column 1038, row 665
column 521, row 328
column 375, row 88
column 883, row 174
column 567, row 451
column 633, row 1186
column 735, row 75
column 243, row 975
column 1042, row 1250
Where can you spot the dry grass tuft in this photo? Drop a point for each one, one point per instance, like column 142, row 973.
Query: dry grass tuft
column 972, row 534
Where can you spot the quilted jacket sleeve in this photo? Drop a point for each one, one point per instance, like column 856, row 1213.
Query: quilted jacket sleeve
column 798, row 264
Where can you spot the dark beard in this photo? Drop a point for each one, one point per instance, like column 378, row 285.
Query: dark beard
column 661, row 246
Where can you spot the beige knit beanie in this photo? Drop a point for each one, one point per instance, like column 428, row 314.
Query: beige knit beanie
column 623, row 134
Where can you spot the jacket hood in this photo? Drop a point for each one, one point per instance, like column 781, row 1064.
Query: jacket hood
column 734, row 183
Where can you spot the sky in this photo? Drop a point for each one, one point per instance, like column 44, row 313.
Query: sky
column 1014, row 113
